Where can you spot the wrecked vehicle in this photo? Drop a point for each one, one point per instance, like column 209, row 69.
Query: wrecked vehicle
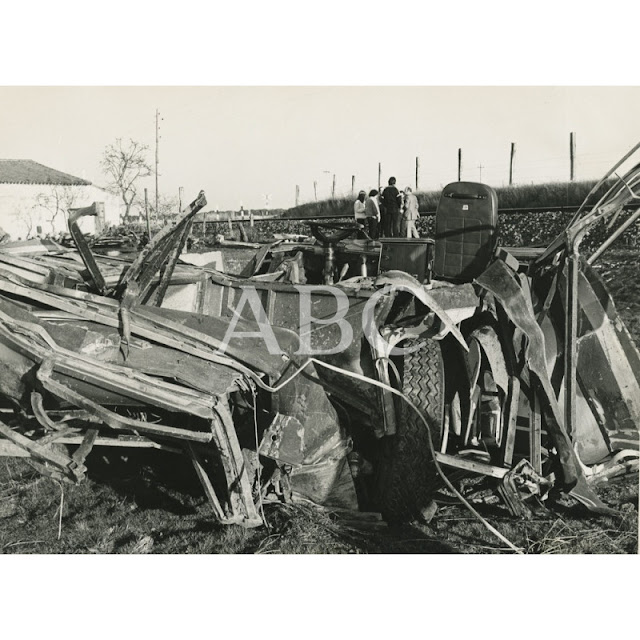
column 440, row 359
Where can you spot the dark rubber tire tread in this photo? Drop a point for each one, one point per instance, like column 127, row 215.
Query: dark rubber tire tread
column 408, row 473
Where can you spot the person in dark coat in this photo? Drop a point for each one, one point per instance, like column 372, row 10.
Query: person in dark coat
column 391, row 202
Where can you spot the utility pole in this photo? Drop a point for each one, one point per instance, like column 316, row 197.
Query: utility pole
column 572, row 155
column 315, row 190
column 481, row 167
column 157, row 156
column 297, row 194
column 513, row 153
column 333, row 188
column 379, row 175
column 417, row 170
column 353, row 185
column 459, row 165
column 180, row 198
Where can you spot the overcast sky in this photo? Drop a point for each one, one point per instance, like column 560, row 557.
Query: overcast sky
column 240, row 144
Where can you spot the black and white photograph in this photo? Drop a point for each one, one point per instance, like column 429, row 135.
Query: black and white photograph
column 319, row 319
column 295, row 327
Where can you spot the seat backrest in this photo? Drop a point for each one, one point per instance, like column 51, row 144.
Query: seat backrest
column 466, row 231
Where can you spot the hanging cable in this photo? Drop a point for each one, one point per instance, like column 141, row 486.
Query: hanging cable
column 381, row 385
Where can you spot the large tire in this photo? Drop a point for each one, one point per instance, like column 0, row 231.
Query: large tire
column 407, row 470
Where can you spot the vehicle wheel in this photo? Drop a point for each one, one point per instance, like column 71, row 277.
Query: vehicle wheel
column 407, row 470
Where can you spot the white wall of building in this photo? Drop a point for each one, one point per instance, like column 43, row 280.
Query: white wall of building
column 19, row 208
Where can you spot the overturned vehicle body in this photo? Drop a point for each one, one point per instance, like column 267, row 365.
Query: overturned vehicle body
column 441, row 359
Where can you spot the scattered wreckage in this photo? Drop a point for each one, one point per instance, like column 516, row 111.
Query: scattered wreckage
column 344, row 371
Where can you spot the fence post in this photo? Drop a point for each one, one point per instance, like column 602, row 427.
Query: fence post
column 572, row 155
column 513, row 153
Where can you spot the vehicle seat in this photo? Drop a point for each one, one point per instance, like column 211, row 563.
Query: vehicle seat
column 466, row 231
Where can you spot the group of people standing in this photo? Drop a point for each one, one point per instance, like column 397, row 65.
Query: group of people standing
column 392, row 213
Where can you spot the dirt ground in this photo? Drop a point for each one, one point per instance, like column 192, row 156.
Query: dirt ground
column 151, row 502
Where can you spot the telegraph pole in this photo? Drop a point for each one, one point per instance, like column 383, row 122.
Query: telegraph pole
column 481, row 167
column 353, row 185
column 333, row 187
column 157, row 156
column 417, row 170
column 379, row 175
column 513, row 153
column 297, row 194
column 315, row 190
column 459, row 164
column 572, row 155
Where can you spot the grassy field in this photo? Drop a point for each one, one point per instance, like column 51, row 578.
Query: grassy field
column 151, row 502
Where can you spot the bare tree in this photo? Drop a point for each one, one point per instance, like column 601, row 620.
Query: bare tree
column 167, row 209
column 56, row 202
column 25, row 216
column 124, row 164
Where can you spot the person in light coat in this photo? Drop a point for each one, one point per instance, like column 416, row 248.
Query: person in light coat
column 410, row 215
column 372, row 212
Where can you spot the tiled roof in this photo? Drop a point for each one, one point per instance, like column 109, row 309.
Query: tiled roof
column 30, row 172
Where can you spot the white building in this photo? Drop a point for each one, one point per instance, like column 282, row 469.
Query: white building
column 34, row 200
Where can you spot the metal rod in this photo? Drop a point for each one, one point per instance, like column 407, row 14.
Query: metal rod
column 613, row 237
column 157, row 156
column 570, row 341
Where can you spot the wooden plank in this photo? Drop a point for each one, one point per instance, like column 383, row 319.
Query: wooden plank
column 203, row 476
column 513, row 401
column 535, row 432
column 471, row 465
column 38, row 451
column 81, row 453
column 241, row 500
column 133, row 442
column 11, row 450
